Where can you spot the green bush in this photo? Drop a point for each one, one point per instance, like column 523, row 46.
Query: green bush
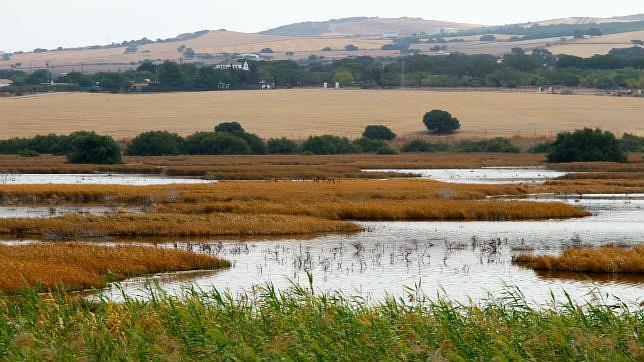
column 49, row 144
column 156, row 143
column 585, row 146
column 500, row 145
column 369, row 145
column 282, row 146
column 230, row 127
column 28, row 153
column 256, row 144
column 541, row 148
column 632, row 143
column 88, row 147
column 386, row 150
column 440, row 122
column 329, row 145
column 212, row 143
column 377, row 132
column 423, row 146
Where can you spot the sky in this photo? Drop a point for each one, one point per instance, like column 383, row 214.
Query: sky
column 29, row 24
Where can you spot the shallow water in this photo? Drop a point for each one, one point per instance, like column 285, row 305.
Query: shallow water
column 97, row 179
column 44, row 211
column 500, row 175
column 458, row 259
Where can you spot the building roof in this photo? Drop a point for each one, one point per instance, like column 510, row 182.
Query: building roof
column 6, row 82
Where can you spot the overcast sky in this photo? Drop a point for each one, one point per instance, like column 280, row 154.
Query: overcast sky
column 28, row 24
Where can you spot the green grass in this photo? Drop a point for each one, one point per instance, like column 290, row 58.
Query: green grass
column 297, row 325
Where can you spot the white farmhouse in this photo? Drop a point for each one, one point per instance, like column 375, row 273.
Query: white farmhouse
column 228, row 65
column 5, row 83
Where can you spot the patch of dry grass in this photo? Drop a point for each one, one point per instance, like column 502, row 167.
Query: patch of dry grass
column 609, row 259
column 167, row 224
column 82, row 266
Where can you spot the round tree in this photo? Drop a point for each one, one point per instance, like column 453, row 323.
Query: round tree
column 377, row 132
column 88, row 147
column 440, row 122
column 282, row 146
column 230, row 127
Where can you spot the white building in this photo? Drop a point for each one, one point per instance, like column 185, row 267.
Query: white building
column 5, row 83
column 227, row 65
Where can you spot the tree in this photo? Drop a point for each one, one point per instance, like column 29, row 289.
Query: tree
column 369, row 145
column 327, row 49
column 88, row 147
column 266, row 50
column 487, row 37
column 343, row 77
column 281, row 146
column 423, row 146
column 230, row 127
column 156, row 143
column 171, row 76
column 585, row 146
column 329, row 145
column 377, row 132
column 351, row 48
column 440, row 122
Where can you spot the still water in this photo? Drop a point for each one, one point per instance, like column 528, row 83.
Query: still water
column 460, row 260
column 496, row 175
column 96, row 179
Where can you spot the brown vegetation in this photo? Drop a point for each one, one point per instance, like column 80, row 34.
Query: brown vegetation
column 609, row 259
column 82, row 266
column 167, row 224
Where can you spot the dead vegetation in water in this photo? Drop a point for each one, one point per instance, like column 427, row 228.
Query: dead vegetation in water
column 83, row 266
column 72, row 227
column 608, row 259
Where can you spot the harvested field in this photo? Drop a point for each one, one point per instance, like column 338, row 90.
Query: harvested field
column 299, row 113
column 596, row 45
column 609, row 259
column 82, row 266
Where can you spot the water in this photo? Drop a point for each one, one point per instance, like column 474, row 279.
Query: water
column 97, row 179
column 498, row 175
column 461, row 260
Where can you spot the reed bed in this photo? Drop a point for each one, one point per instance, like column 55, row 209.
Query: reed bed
column 165, row 224
column 454, row 210
column 608, row 259
column 297, row 325
column 83, row 266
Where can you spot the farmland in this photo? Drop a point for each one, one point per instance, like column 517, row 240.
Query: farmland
column 299, row 113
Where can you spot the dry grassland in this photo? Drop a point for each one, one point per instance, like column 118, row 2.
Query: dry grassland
column 597, row 45
column 299, row 113
column 608, row 259
column 82, row 266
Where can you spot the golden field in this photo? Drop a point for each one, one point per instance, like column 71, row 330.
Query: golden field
column 596, row 45
column 82, row 266
column 609, row 259
column 299, row 113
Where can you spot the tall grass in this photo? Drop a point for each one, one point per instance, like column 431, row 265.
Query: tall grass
column 608, row 259
column 82, row 266
column 296, row 325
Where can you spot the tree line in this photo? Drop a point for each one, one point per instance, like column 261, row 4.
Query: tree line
column 622, row 68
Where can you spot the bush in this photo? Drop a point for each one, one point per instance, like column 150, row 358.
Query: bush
column 585, row 146
column 541, row 148
column 369, row 145
column 377, row 132
column 487, row 37
column 28, row 153
column 440, row 122
column 632, row 143
column 351, row 48
column 156, row 143
column 256, row 144
column 499, row 145
column 386, row 150
column 281, row 146
column 88, row 147
column 423, row 146
column 329, row 145
column 216, row 143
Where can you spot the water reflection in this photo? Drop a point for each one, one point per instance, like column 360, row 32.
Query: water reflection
column 492, row 175
column 97, row 179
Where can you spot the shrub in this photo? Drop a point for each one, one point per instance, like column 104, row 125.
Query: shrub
column 156, row 143
column 351, row 48
column 632, row 143
column 500, row 145
column 282, row 146
column 386, row 150
column 541, row 148
column 377, row 132
column 440, row 122
column 423, row 146
column 89, row 147
column 329, row 145
column 28, row 153
column 256, row 144
column 369, row 145
column 487, row 37
column 586, row 145
column 216, row 143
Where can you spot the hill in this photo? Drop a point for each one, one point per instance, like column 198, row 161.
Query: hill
column 368, row 26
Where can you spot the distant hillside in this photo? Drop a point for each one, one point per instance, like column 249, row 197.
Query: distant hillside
column 367, row 26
